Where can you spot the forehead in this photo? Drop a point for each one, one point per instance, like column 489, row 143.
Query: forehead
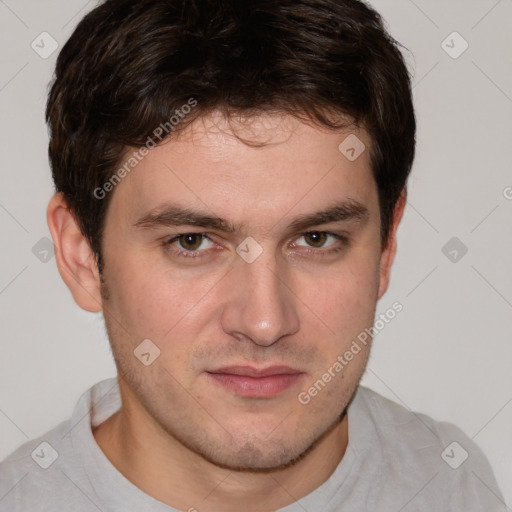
column 250, row 168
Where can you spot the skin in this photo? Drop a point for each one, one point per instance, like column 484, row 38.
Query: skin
column 181, row 436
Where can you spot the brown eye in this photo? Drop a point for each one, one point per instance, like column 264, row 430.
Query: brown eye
column 190, row 241
column 188, row 245
column 316, row 238
column 321, row 243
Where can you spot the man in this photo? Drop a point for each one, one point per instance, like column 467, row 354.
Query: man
column 230, row 179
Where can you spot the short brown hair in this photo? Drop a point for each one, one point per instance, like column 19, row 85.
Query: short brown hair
column 130, row 64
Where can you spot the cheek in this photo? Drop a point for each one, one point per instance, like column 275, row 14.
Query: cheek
column 345, row 297
column 155, row 301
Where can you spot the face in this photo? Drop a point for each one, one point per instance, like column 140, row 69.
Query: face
column 251, row 268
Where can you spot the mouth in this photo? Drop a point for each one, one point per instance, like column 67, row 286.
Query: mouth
column 251, row 382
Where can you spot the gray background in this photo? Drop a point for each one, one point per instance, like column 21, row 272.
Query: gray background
column 448, row 353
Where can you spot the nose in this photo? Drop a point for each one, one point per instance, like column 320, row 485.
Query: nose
column 261, row 306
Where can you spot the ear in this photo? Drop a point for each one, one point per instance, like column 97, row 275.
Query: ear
column 75, row 260
column 388, row 254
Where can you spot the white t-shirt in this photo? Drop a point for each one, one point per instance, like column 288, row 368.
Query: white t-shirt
column 396, row 460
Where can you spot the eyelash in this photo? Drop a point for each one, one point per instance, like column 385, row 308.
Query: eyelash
column 319, row 252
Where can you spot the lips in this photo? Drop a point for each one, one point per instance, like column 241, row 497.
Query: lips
column 251, row 382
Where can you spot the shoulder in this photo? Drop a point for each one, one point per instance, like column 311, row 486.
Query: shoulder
column 48, row 473
column 418, row 453
column 33, row 470
column 407, row 428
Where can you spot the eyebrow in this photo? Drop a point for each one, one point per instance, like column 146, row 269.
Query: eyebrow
column 172, row 215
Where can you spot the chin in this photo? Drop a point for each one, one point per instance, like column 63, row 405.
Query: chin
column 261, row 454
column 258, row 459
